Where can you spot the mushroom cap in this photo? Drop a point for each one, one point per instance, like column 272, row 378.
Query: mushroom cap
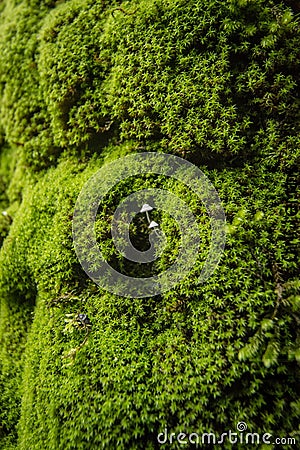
column 153, row 224
column 146, row 207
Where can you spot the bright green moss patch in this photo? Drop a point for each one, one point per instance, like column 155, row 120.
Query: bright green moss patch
column 202, row 79
column 81, row 84
column 201, row 356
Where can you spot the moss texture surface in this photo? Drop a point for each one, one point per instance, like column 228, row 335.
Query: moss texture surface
column 83, row 83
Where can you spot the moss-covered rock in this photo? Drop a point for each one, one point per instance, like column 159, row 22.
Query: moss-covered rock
column 83, row 83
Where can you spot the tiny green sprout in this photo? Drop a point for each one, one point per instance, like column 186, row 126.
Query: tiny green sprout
column 76, row 321
column 258, row 216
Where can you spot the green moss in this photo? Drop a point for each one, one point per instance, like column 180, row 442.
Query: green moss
column 83, row 83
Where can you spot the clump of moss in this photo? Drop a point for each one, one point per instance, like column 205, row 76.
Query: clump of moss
column 84, row 83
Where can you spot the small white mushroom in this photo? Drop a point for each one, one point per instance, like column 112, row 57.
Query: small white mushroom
column 146, row 208
column 153, row 224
